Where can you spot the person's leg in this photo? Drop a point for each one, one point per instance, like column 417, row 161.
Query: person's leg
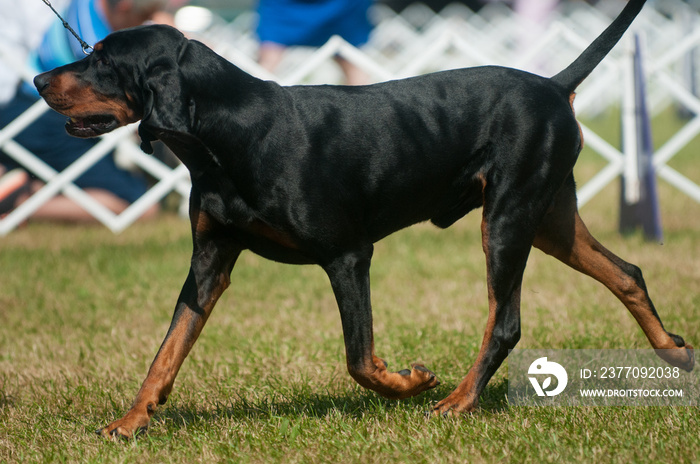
column 62, row 209
column 14, row 185
column 270, row 55
column 353, row 74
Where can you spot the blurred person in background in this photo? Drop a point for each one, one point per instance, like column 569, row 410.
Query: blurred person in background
column 285, row 23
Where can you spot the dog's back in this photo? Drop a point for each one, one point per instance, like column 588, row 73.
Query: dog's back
column 417, row 149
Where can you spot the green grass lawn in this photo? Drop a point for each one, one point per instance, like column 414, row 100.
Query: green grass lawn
column 83, row 312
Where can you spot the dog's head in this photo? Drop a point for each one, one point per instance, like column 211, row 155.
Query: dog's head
column 131, row 75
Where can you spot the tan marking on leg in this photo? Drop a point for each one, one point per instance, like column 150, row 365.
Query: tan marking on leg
column 586, row 255
column 465, row 398
column 165, row 367
column 376, row 377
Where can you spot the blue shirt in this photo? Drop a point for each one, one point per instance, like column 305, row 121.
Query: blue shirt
column 59, row 47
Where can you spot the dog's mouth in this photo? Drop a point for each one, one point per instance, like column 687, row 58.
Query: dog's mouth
column 91, row 126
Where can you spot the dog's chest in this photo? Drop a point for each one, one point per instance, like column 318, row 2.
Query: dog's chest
column 230, row 213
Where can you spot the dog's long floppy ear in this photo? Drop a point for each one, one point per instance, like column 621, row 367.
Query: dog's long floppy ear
column 165, row 104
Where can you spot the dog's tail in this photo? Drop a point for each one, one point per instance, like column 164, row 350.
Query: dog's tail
column 576, row 72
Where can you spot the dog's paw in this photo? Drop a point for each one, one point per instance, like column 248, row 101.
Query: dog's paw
column 419, row 379
column 691, row 354
column 684, row 357
column 426, row 376
column 690, row 363
column 452, row 407
column 396, row 385
column 124, row 429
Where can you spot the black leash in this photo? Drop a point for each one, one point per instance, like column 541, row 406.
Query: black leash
column 83, row 44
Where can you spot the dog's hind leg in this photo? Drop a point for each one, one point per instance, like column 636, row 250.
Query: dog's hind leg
column 563, row 235
column 209, row 276
column 349, row 276
column 507, row 246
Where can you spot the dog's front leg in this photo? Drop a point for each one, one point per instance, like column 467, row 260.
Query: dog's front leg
column 209, row 276
column 349, row 276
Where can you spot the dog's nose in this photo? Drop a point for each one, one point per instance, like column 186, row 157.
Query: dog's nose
column 42, row 81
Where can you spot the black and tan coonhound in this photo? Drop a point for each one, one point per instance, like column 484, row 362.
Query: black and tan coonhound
column 317, row 174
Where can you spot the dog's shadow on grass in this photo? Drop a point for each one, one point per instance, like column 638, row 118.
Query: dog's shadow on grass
column 354, row 404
